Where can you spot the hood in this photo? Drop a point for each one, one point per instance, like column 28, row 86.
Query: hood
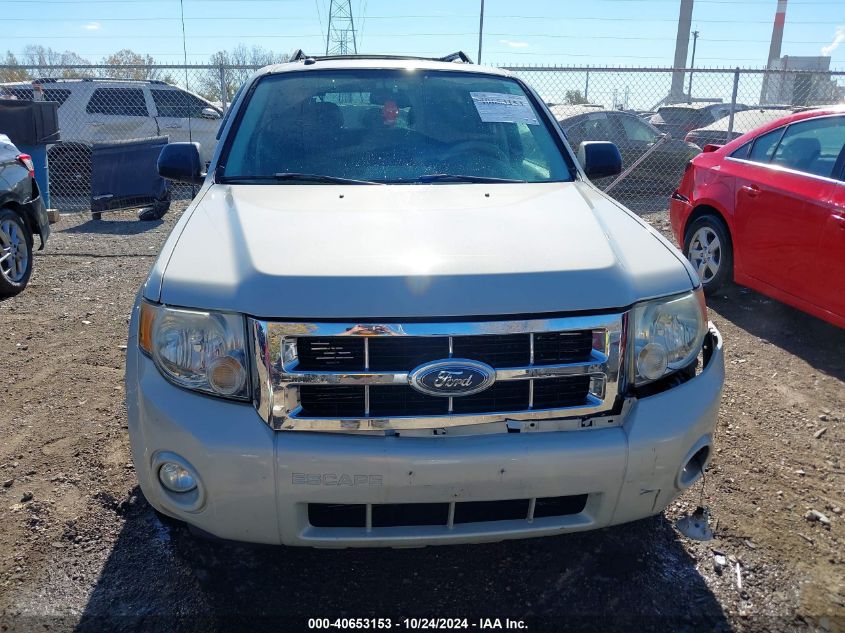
column 412, row 251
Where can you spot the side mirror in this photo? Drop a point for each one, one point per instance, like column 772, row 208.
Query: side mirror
column 209, row 113
column 599, row 159
column 180, row 162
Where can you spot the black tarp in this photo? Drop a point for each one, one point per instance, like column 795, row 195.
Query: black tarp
column 29, row 122
column 124, row 174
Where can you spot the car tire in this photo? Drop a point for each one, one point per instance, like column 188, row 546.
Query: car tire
column 16, row 251
column 708, row 247
column 154, row 212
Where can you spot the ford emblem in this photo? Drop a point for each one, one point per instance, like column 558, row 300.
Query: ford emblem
column 452, row 378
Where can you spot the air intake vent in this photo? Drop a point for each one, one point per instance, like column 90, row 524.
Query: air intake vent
column 331, row 515
column 331, row 354
column 330, row 401
column 404, row 353
column 505, row 350
column 559, row 348
column 553, row 393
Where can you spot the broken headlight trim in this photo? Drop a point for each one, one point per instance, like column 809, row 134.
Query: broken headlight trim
column 200, row 350
column 666, row 335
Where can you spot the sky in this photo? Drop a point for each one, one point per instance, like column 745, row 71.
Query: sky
column 566, row 32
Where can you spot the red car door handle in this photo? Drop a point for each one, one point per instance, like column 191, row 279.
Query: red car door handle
column 752, row 190
column 840, row 219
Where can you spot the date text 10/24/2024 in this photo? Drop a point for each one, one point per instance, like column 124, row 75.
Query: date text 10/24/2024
column 434, row 624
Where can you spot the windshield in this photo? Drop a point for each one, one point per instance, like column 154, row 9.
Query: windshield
column 391, row 126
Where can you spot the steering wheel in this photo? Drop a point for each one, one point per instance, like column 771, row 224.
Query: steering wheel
column 482, row 147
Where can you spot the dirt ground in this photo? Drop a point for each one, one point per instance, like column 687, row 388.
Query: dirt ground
column 80, row 549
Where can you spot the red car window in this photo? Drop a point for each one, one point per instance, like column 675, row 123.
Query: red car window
column 765, row 145
column 812, row 146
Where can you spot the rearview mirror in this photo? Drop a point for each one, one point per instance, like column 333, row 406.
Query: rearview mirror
column 599, row 159
column 180, row 162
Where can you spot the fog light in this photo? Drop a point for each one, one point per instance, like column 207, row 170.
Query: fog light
column 226, row 375
column 176, row 478
column 652, row 361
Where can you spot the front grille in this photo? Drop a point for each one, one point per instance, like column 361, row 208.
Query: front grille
column 388, row 401
column 560, row 392
column 338, row 353
column 511, row 395
column 403, row 400
column 330, row 401
column 350, row 377
column 404, row 353
column 497, row 350
column 341, row 515
column 557, row 348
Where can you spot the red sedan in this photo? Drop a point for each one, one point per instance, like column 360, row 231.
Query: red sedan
column 767, row 211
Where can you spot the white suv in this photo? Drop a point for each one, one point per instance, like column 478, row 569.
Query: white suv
column 104, row 110
column 398, row 313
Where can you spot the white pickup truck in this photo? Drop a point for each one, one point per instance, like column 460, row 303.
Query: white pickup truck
column 397, row 314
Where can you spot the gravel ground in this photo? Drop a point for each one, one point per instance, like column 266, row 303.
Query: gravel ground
column 80, row 548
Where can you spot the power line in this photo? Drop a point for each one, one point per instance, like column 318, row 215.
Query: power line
column 401, row 17
column 76, row 3
column 319, row 17
column 439, row 34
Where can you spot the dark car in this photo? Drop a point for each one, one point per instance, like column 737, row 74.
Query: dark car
column 679, row 119
column 717, row 133
column 22, row 215
column 659, row 172
column 767, row 211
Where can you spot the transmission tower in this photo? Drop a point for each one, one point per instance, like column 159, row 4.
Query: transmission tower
column 340, row 37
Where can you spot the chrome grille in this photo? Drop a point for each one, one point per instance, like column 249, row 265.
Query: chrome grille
column 348, row 377
column 401, row 353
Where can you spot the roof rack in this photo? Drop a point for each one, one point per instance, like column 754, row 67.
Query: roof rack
column 458, row 56
column 54, row 80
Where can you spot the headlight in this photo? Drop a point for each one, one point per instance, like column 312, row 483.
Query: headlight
column 204, row 351
column 666, row 335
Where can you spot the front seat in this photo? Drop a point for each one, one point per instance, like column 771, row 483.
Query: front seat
column 801, row 153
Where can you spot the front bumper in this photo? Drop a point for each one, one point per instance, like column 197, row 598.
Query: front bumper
column 256, row 483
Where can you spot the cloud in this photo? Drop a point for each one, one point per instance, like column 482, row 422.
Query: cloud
column 838, row 38
column 92, row 26
column 513, row 44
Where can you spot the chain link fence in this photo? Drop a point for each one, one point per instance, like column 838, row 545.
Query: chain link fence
column 659, row 118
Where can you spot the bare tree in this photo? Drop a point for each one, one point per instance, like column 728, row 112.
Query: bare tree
column 15, row 72
column 245, row 61
column 37, row 55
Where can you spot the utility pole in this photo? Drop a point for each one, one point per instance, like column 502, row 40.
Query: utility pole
column 480, row 30
column 676, row 92
column 340, row 34
column 692, row 66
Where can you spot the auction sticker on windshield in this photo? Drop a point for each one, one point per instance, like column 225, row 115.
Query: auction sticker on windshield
column 498, row 107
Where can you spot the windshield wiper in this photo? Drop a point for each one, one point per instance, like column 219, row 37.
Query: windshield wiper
column 292, row 175
column 295, row 176
column 462, row 178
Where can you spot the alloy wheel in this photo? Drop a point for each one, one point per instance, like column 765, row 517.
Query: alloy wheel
column 705, row 253
column 14, row 251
